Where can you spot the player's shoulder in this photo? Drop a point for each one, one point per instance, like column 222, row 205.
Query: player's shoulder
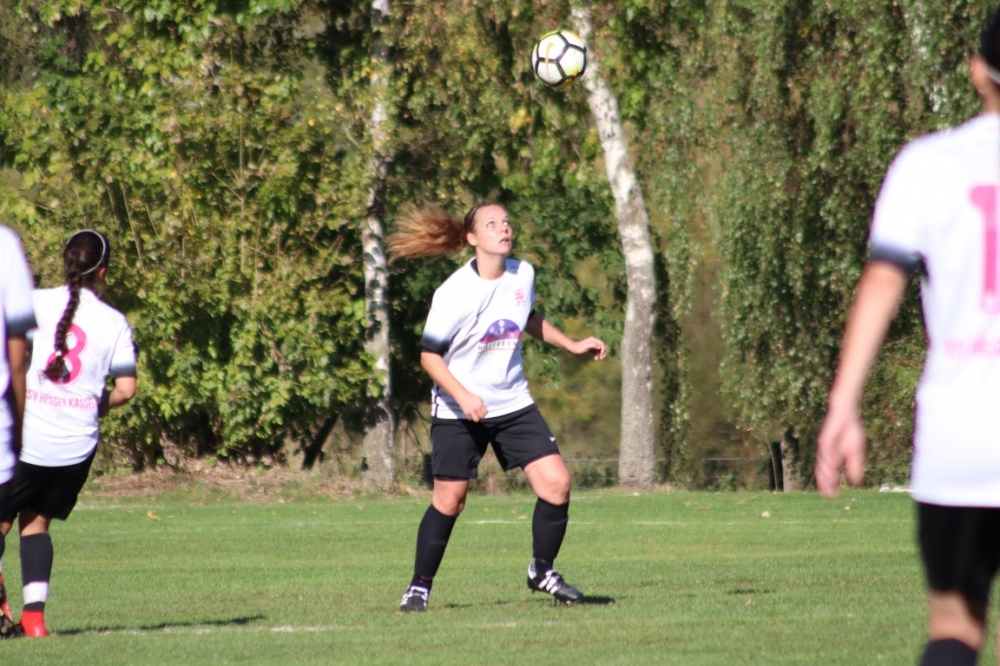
column 108, row 312
column 9, row 240
column 949, row 142
column 520, row 267
column 48, row 294
column 457, row 282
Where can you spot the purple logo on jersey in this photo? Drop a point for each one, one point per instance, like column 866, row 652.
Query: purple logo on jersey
column 502, row 334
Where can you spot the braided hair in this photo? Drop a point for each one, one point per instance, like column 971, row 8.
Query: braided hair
column 431, row 232
column 86, row 252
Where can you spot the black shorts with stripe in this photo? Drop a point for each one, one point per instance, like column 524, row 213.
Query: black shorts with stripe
column 518, row 438
column 48, row 491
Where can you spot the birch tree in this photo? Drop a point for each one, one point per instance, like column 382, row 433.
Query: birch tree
column 637, row 455
column 380, row 426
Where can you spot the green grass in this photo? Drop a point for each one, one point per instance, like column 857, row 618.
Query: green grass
column 674, row 578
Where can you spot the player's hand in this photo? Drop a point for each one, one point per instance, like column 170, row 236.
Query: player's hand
column 472, row 406
column 841, row 444
column 590, row 345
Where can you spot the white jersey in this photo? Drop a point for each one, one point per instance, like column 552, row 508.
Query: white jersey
column 476, row 326
column 940, row 203
column 17, row 318
column 61, row 420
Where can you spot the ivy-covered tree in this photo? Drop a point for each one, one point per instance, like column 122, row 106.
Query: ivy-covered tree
column 809, row 106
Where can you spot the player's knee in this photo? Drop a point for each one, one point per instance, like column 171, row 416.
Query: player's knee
column 558, row 490
column 450, row 505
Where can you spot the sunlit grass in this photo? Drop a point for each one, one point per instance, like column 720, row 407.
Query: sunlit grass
column 676, row 578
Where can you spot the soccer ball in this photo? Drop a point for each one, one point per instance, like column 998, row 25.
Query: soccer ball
column 559, row 57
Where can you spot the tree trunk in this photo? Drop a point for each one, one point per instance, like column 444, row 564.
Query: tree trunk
column 791, row 462
column 915, row 13
column 637, row 455
column 380, row 426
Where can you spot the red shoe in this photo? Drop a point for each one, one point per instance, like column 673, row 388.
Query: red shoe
column 33, row 623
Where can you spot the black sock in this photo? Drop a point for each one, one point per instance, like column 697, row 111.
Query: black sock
column 3, row 546
column 36, row 568
column 548, row 527
column 432, row 539
column 948, row 652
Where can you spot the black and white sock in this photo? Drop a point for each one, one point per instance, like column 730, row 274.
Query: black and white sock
column 36, row 568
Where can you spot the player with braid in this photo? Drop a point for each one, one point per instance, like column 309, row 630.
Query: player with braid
column 937, row 213
column 17, row 317
column 471, row 348
column 80, row 340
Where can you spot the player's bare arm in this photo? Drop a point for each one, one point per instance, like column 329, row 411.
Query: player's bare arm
column 122, row 391
column 542, row 329
column 17, row 360
column 842, row 440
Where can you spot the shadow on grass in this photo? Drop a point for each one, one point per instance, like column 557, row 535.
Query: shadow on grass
column 595, row 601
column 231, row 622
column 588, row 600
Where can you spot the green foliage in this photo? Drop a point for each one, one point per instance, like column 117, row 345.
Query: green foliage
column 197, row 138
column 225, row 145
column 225, row 148
column 801, row 156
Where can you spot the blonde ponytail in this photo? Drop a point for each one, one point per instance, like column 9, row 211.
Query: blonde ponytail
column 430, row 232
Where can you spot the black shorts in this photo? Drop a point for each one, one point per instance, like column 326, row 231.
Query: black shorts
column 518, row 438
column 48, row 491
column 4, row 492
column 960, row 547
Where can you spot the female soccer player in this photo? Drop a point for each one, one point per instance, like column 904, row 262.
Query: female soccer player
column 80, row 340
column 471, row 348
column 938, row 211
column 17, row 317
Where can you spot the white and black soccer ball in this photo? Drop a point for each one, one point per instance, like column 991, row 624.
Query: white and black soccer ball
column 559, row 58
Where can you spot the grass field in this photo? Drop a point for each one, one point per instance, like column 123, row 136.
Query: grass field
column 673, row 578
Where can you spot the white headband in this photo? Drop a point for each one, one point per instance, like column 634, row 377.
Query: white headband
column 104, row 248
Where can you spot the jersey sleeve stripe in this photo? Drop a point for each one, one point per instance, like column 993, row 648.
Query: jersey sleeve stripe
column 907, row 261
column 123, row 370
column 20, row 324
column 434, row 346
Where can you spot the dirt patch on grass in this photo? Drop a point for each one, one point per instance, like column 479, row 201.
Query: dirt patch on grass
column 230, row 482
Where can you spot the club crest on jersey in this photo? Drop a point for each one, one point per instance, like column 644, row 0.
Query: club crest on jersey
column 520, row 298
column 502, row 335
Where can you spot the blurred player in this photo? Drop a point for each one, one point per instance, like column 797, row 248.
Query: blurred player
column 80, row 340
column 937, row 213
column 17, row 317
column 471, row 348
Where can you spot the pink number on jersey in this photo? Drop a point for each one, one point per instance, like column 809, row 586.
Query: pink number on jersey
column 984, row 197
column 72, row 356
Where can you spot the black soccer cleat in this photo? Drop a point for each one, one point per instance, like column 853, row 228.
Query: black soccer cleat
column 4, row 605
column 415, row 599
column 552, row 583
column 8, row 629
